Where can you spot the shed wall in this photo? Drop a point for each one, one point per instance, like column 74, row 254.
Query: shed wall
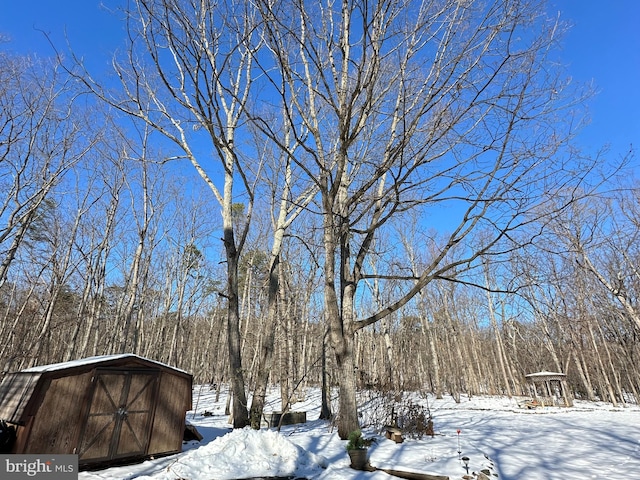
column 174, row 399
column 56, row 423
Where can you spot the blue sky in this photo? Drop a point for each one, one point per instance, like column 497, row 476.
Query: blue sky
column 603, row 46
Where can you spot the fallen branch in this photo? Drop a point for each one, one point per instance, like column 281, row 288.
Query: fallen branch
column 412, row 475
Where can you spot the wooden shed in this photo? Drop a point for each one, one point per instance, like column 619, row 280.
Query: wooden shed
column 107, row 410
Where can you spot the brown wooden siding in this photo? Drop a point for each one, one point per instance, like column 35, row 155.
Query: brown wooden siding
column 119, row 420
column 174, row 397
column 22, row 435
column 56, row 422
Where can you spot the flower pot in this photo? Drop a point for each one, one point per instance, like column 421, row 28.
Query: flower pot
column 359, row 458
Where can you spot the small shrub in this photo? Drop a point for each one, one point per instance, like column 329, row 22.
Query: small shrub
column 414, row 420
column 357, row 442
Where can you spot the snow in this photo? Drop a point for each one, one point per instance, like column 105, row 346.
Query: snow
column 587, row 441
column 251, row 452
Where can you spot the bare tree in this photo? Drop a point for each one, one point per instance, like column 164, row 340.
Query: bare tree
column 286, row 206
column 186, row 73
column 418, row 105
column 105, row 182
column 579, row 321
column 614, row 252
column 39, row 141
column 147, row 200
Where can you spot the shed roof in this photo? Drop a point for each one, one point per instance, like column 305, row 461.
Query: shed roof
column 16, row 390
column 97, row 359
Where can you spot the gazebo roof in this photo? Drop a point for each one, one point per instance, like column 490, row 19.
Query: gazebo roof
column 541, row 376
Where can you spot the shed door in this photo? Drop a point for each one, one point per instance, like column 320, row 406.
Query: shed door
column 118, row 422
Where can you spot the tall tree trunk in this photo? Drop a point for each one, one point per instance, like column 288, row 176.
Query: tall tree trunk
column 341, row 335
column 584, row 376
column 290, row 358
column 475, row 372
column 325, row 408
column 454, row 337
column 604, row 376
column 267, row 346
column 498, row 336
column 347, row 406
column 239, row 408
column 428, row 333
column 612, row 369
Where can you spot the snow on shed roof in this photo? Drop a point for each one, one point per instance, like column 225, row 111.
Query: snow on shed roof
column 91, row 360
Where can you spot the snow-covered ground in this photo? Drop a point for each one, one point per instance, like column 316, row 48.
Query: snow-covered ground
column 587, row 441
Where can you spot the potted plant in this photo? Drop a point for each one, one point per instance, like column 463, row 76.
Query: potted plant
column 358, row 450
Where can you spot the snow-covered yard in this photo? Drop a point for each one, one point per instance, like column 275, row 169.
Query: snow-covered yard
column 587, row 441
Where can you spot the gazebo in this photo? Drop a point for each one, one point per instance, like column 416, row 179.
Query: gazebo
column 550, row 389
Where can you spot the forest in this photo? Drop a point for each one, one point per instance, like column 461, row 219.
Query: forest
column 361, row 194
